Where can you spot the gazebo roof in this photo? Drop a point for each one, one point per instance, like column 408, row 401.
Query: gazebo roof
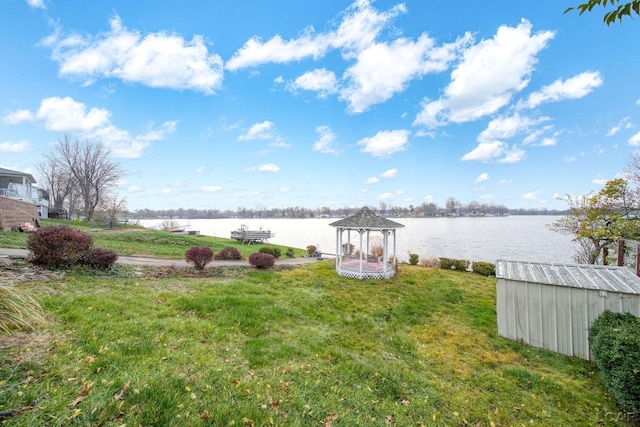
column 365, row 219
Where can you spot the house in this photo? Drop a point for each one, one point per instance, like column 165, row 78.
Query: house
column 20, row 201
column 552, row 306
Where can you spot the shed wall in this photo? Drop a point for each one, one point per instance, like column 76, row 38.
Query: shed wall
column 555, row 318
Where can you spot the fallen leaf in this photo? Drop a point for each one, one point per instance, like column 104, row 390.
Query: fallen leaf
column 124, row 388
column 76, row 401
column 328, row 422
column 388, row 420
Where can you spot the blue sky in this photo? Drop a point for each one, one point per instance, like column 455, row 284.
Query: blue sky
column 256, row 104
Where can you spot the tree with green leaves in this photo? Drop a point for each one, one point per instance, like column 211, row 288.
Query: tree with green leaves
column 601, row 219
column 620, row 11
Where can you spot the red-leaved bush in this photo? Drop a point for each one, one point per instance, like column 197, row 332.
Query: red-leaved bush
column 199, row 256
column 262, row 260
column 228, row 253
column 58, row 247
column 101, row 258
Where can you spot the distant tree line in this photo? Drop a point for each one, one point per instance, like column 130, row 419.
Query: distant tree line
column 425, row 210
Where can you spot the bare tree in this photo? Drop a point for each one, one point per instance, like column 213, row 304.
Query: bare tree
column 58, row 181
column 94, row 175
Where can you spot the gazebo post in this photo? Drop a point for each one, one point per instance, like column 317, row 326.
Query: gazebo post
column 361, row 233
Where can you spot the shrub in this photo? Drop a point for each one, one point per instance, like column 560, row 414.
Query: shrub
column 461, row 264
column 100, row 258
column 270, row 250
column 454, row 264
column 290, row 253
column 262, row 260
column 431, row 262
column 199, row 256
column 484, row 268
column 18, row 309
column 614, row 340
column 446, row 263
column 311, row 249
column 413, row 259
column 59, row 246
column 228, row 253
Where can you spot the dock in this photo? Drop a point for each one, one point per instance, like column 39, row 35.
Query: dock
column 246, row 236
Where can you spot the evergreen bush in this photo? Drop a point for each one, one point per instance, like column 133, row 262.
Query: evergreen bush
column 270, row 250
column 58, row 246
column 461, row 264
column 446, row 263
column 227, row 254
column 290, row 253
column 100, row 258
column 199, row 256
column 413, row 259
column 262, row 260
column 614, row 340
column 484, row 268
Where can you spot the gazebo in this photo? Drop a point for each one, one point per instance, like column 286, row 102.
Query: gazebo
column 367, row 262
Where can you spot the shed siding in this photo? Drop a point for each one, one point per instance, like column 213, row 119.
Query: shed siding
column 555, row 318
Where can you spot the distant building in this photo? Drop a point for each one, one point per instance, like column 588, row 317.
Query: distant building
column 20, row 200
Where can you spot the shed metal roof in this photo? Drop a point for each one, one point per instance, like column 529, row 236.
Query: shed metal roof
column 585, row 276
column 365, row 219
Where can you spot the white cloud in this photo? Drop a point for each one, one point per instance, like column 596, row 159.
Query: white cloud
column 264, row 168
column 160, row 60
column 18, row 116
column 532, row 195
column 481, row 178
column 599, row 181
column 133, row 189
column 373, row 180
column 506, row 127
column 357, row 30
column 385, row 143
column 625, row 123
column 490, row 73
column 285, row 189
column 386, row 196
column 327, row 143
column 513, row 155
column 486, row 151
column 66, row 114
column 69, row 116
column 321, row 80
column 634, row 140
column 211, row 188
column 260, row 130
column 391, row 173
column 548, row 142
column 200, row 169
column 14, row 147
column 36, row 4
column 384, row 69
column 575, row 87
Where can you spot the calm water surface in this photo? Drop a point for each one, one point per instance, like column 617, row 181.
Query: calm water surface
column 522, row 238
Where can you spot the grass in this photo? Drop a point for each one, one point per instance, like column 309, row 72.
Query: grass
column 293, row 347
column 139, row 241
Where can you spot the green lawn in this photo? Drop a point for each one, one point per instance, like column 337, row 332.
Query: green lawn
column 296, row 346
column 139, row 241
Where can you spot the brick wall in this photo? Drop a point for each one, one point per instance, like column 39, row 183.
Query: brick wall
column 14, row 212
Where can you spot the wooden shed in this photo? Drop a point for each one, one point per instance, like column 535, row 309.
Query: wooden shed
column 552, row 306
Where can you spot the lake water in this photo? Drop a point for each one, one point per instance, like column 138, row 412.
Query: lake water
column 517, row 237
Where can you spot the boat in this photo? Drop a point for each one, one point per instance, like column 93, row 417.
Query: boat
column 245, row 235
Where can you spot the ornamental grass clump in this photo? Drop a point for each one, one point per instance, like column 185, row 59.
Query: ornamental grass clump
column 19, row 310
column 227, row 254
column 199, row 256
column 59, row 246
column 262, row 260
